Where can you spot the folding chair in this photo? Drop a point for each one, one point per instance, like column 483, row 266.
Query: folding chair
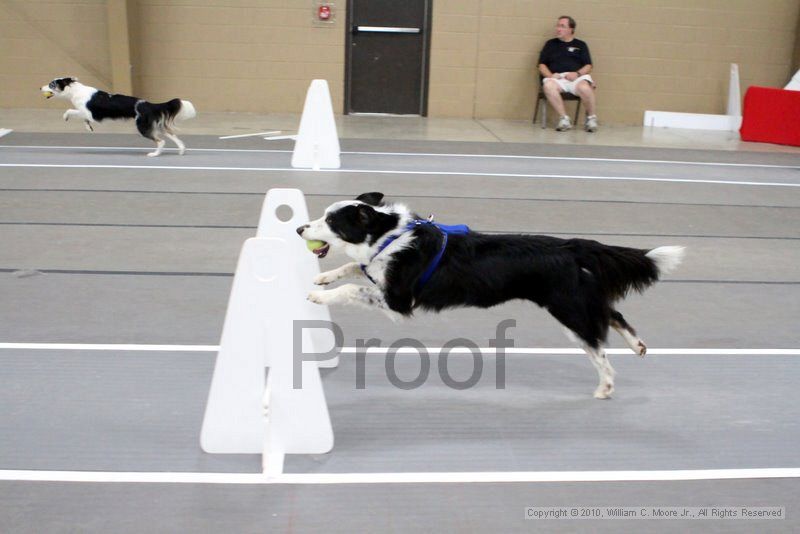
column 541, row 102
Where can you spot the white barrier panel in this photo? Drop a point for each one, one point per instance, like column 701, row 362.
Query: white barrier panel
column 731, row 121
column 317, row 145
column 734, row 93
column 244, row 414
column 691, row 121
column 794, row 83
column 271, row 225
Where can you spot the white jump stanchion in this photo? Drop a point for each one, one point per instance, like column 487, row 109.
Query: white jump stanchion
column 734, row 93
column 270, row 225
column 317, row 144
column 245, row 413
column 794, row 83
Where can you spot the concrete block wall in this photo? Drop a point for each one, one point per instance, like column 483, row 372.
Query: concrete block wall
column 260, row 55
column 45, row 39
column 236, row 55
column 666, row 55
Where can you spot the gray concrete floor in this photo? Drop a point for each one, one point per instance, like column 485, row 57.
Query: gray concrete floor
column 411, row 128
column 103, row 245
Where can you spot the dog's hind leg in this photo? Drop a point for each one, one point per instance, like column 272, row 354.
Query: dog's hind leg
column 348, row 270
column 174, row 138
column 589, row 323
column 151, row 131
column 159, row 148
column 627, row 332
column 604, row 370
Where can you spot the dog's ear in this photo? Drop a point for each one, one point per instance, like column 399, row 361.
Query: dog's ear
column 63, row 83
column 373, row 199
column 365, row 214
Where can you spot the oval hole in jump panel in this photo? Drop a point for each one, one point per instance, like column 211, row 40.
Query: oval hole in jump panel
column 267, row 258
column 284, row 213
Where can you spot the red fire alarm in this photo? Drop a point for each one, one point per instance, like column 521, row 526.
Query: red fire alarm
column 323, row 13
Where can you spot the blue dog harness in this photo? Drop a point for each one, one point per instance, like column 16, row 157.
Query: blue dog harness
column 458, row 229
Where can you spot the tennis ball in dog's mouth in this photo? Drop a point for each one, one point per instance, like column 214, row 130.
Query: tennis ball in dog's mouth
column 314, row 245
column 47, row 94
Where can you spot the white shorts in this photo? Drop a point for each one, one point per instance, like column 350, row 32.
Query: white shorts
column 567, row 86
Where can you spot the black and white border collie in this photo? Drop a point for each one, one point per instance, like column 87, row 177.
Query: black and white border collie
column 577, row 280
column 154, row 121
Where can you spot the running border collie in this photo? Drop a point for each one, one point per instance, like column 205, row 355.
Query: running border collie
column 154, row 121
column 415, row 263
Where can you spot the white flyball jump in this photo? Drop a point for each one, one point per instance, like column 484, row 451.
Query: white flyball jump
column 317, row 144
column 731, row 121
column 247, row 413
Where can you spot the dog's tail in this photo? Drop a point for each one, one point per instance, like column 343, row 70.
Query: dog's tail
column 621, row 269
column 667, row 259
column 154, row 118
column 186, row 111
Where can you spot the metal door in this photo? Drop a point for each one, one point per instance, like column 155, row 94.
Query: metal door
column 387, row 56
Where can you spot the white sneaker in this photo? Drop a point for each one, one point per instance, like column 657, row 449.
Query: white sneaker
column 591, row 123
column 563, row 124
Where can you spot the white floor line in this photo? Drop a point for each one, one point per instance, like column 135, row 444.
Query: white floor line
column 272, row 132
column 122, row 347
column 565, row 158
column 395, row 478
column 427, row 154
column 425, row 173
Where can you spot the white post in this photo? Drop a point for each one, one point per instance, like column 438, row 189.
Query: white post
column 245, row 413
column 734, row 93
column 317, row 144
column 270, row 225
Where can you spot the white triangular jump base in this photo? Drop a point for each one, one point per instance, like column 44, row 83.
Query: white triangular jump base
column 249, row 413
column 317, row 144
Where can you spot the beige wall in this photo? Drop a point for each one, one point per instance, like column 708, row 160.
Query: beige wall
column 667, row 55
column 236, row 55
column 260, row 55
column 41, row 40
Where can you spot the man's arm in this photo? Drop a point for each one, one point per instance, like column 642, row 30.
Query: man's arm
column 586, row 59
column 572, row 76
column 544, row 71
column 544, row 59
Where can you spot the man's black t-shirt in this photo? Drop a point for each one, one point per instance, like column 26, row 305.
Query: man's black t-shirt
column 560, row 56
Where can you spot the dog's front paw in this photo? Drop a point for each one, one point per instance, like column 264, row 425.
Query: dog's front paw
column 318, row 297
column 323, row 279
column 66, row 115
column 604, row 391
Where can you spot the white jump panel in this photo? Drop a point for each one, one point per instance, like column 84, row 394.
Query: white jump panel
column 317, row 144
column 282, row 411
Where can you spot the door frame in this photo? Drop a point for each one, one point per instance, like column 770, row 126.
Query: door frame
column 426, row 52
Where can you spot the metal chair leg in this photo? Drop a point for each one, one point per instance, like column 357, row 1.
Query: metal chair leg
column 543, row 103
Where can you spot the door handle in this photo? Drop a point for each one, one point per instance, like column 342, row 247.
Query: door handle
column 384, row 29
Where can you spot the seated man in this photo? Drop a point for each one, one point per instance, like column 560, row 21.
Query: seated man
column 565, row 64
